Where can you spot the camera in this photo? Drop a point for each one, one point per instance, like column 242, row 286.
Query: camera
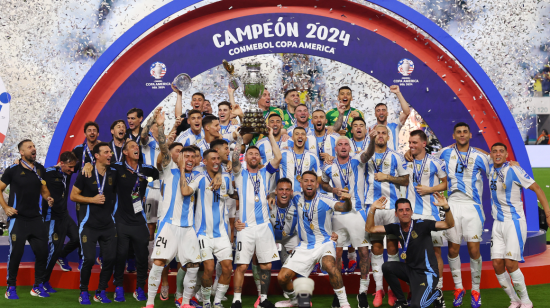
column 304, row 289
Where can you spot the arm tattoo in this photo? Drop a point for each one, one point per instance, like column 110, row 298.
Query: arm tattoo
column 399, row 180
column 163, row 147
column 236, row 163
column 338, row 123
column 343, row 206
column 365, row 156
column 145, row 131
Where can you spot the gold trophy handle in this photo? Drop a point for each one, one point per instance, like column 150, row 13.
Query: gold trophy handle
column 228, row 67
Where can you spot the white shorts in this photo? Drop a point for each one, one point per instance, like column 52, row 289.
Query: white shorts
column 289, row 242
column 152, row 200
column 469, row 219
column 350, row 228
column 381, row 218
column 219, row 247
column 302, row 260
column 173, row 240
column 259, row 238
column 508, row 239
column 437, row 236
column 231, row 205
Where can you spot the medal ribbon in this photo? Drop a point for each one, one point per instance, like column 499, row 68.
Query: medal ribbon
column 378, row 168
column 32, row 168
column 216, row 192
column 417, row 175
column 345, row 122
column 87, row 150
column 298, row 169
column 360, row 148
column 499, row 172
column 465, row 161
column 310, row 211
column 292, row 119
column 345, row 178
column 256, row 183
column 100, row 188
column 281, row 213
column 136, row 171
column 226, row 130
column 322, row 147
column 64, row 179
column 406, row 243
column 137, row 138
column 118, row 159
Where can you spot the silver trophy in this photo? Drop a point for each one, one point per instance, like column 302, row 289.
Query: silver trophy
column 254, row 83
column 182, row 82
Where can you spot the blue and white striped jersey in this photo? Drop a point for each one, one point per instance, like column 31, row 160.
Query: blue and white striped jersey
column 211, row 210
column 393, row 134
column 187, row 137
column 323, row 144
column 506, row 183
column 288, row 166
column 314, row 219
column 391, row 163
column 266, row 152
column 464, row 179
column 178, row 210
column 280, row 217
column 150, row 153
column 311, row 142
column 252, row 212
column 354, row 173
column 428, row 173
column 358, row 146
column 227, row 130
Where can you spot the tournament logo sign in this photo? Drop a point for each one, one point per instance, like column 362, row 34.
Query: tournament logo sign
column 5, row 99
column 405, row 67
column 158, row 70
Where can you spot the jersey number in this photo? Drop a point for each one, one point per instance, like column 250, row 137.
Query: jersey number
column 201, row 244
column 239, row 246
column 459, row 168
column 493, row 185
column 161, row 240
column 216, row 197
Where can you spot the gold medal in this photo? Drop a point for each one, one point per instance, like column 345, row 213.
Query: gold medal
column 150, row 179
column 504, row 186
column 418, row 185
column 257, row 199
column 311, row 226
column 403, row 255
column 43, row 182
column 299, row 178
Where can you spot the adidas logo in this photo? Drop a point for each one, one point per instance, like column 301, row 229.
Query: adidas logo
column 123, row 176
column 365, row 242
column 95, row 182
column 435, row 242
column 328, row 252
column 509, row 254
column 423, row 284
column 475, row 237
column 375, row 271
column 22, row 172
column 477, row 276
column 455, row 275
column 274, row 255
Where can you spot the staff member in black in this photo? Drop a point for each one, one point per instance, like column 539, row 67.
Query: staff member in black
column 118, row 131
column 25, row 216
column 57, row 219
column 97, row 198
column 131, row 224
column 419, row 269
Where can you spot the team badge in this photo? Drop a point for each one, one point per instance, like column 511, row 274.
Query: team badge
column 110, row 180
column 414, row 235
column 299, row 205
column 84, row 239
column 55, row 237
column 123, row 176
column 378, row 161
column 284, row 233
column 204, row 254
column 13, row 237
column 78, row 206
column 158, row 252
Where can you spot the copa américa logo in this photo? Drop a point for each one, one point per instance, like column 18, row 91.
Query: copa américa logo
column 5, row 99
column 405, row 67
column 157, row 70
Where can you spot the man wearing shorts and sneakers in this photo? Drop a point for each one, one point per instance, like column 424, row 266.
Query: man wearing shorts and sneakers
column 510, row 228
column 419, row 268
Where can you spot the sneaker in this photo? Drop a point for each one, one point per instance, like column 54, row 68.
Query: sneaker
column 257, row 302
column 139, row 294
column 64, row 264
column 187, row 306
column 99, row 261
column 335, row 302
column 399, row 304
column 194, row 303
column 164, row 296
column 514, row 305
column 287, row 303
column 149, row 306
column 459, row 294
column 391, row 298
column 439, row 302
column 346, row 306
column 178, row 302
column 315, row 269
column 39, row 291
column 48, row 288
column 131, row 265
column 80, row 264
column 206, row 305
column 84, row 298
column 11, row 293
column 352, row 265
column 218, row 305
column 362, row 300
column 526, row 305
column 378, row 296
column 476, row 299
column 236, row 304
column 119, row 295
column 101, row 297
column 267, row 304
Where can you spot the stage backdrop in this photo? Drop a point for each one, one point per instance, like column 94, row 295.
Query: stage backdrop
column 441, row 81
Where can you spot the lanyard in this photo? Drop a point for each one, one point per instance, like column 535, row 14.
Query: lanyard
column 139, row 175
column 100, row 188
column 34, row 170
column 417, row 175
column 322, row 147
column 378, row 168
column 345, row 177
column 406, row 242
column 87, row 150
column 298, row 168
column 137, row 138
column 464, row 162
column 64, row 178
column 360, row 148
column 118, row 158
column 281, row 213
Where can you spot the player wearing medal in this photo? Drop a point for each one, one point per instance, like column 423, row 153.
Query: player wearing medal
column 97, row 198
column 510, row 228
column 359, row 138
column 465, row 186
column 211, row 226
column 264, row 145
column 25, row 217
column 118, row 131
column 302, row 119
column 225, row 114
column 347, row 175
column 340, row 117
column 292, row 100
column 314, row 230
column 427, row 175
column 264, row 103
column 211, row 129
column 57, row 219
column 325, row 140
column 419, row 268
column 381, row 114
column 253, row 185
column 297, row 159
column 131, row 224
column 175, row 235
column 197, row 103
column 194, row 133
column 386, row 172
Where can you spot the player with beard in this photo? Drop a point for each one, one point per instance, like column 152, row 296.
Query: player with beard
column 134, row 117
column 347, row 174
column 131, row 224
column 264, row 145
column 57, row 218
column 211, row 226
column 340, row 117
column 194, row 133
column 297, row 160
column 386, row 172
column 25, row 219
column 211, row 128
column 264, row 103
column 254, row 183
column 118, row 131
column 197, row 103
column 427, row 175
column 315, row 212
column 97, row 197
column 302, row 121
column 359, row 138
column 419, row 266
column 381, row 114
column 325, row 140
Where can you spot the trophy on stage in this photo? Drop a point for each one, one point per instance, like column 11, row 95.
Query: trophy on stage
column 182, row 82
column 231, row 70
column 254, row 122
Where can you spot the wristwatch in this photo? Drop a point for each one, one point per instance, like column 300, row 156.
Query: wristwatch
column 446, row 210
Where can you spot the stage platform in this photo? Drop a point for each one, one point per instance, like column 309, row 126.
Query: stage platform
column 536, row 270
